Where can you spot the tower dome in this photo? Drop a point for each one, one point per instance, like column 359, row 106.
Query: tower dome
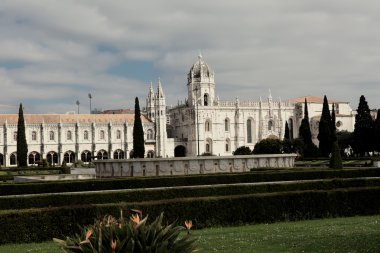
column 200, row 69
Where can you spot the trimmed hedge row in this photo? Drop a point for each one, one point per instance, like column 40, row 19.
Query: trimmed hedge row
column 140, row 195
column 18, row 226
column 209, row 179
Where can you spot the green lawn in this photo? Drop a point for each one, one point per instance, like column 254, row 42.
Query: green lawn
column 355, row 234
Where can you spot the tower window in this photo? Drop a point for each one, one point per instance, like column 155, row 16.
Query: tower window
column 206, row 99
column 34, row 136
column 249, row 131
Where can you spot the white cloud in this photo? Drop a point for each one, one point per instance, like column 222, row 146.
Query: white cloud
column 64, row 49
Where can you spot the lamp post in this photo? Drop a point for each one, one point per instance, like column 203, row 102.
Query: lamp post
column 78, row 105
column 89, row 96
column 197, row 120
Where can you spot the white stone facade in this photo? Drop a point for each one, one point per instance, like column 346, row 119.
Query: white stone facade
column 206, row 124
column 72, row 137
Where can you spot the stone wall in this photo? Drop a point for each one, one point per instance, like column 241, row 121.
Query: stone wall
column 190, row 165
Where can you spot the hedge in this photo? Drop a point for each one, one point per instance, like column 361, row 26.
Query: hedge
column 209, row 179
column 34, row 225
column 140, row 195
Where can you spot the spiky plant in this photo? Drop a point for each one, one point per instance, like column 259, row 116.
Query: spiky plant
column 133, row 235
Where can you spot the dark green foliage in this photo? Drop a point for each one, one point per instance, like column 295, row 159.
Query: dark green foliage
column 138, row 133
column 268, row 146
column 138, row 195
column 363, row 132
column 325, row 128
column 304, row 131
column 243, row 150
column 36, row 225
column 152, row 182
column 345, row 140
column 377, row 132
column 22, row 146
column 310, row 150
column 335, row 159
column 287, row 132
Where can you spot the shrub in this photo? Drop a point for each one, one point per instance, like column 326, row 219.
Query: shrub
column 132, row 235
column 243, row 150
column 268, row 146
column 336, row 159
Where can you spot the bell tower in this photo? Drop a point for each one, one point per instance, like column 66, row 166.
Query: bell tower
column 160, row 121
column 201, row 84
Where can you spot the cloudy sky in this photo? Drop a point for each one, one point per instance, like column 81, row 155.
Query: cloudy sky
column 55, row 52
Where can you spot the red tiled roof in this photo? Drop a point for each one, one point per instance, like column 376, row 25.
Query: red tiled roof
column 310, row 99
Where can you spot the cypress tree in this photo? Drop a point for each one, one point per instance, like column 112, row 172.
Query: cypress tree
column 377, row 132
column 304, row 130
column 363, row 132
column 335, row 159
column 138, row 133
column 22, row 146
column 287, row 132
column 324, row 130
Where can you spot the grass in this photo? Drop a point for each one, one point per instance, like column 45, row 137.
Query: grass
column 354, row 234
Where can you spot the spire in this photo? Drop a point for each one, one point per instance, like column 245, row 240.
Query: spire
column 160, row 93
column 270, row 97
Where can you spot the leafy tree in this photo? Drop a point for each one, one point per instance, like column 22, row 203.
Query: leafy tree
column 305, row 133
column 335, row 159
column 287, row 132
column 268, row 146
column 363, row 132
column 377, row 132
column 138, row 133
column 325, row 128
column 22, row 146
column 243, row 150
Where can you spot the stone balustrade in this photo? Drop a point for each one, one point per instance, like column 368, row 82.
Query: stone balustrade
column 190, row 165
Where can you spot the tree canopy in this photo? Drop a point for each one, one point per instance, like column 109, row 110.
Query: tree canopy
column 325, row 130
column 22, row 146
column 304, row 131
column 363, row 132
column 138, row 133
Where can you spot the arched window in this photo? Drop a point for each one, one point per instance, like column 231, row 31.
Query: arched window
column 51, row 135
column 34, row 157
column 207, row 126
column 34, row 136
column 228, row 145
column 118, row 134
column 270, row 125
column 102, row 155
column 150, row 154
column 85, row 135
column 52, row 158
column 13, row 158
column 69, row 135
column 249, row 131
column 227, row 125
column 206, row 99
column 118, row 154
column 101, row 134
column 15, row 136
column 208, row 147
column 149, row 134
column 69, row 157
column 85, row 156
